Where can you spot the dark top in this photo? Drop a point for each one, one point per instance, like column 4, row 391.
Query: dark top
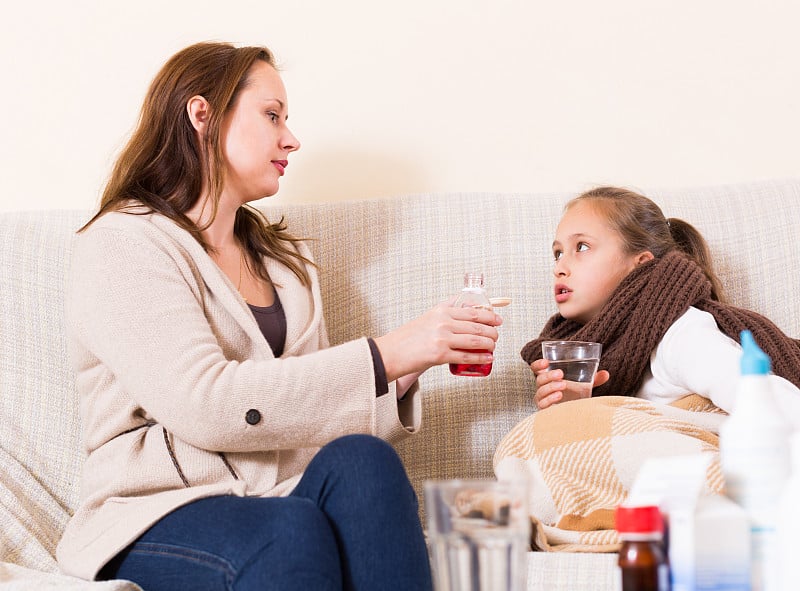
column 272, row 322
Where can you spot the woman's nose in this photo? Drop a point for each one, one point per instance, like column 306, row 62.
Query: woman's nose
column 290, row 142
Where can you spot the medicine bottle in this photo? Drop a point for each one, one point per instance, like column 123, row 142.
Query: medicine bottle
column 473, row 295
column 788, row 542
column 754, row 457
column 642, row 561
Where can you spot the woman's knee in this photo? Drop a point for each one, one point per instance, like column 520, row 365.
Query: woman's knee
column 364, row 453
column 369, row 466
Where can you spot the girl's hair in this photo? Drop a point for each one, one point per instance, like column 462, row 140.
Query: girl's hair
column 164, row 165
column 642, row 226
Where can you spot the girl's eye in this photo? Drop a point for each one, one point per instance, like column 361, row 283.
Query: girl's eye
column 273, row 116
column 582, row 246
column 557, row 254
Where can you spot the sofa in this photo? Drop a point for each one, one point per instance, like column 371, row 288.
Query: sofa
column 382, row 261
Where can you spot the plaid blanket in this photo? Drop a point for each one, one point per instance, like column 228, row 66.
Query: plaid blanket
column 581, row 458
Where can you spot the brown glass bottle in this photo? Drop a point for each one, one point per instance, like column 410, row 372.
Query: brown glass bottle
column 643, row 563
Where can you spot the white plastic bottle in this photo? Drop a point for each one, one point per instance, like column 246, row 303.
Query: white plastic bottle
column 789, row 523
column 754, row 456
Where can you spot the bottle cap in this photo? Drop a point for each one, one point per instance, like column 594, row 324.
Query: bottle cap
column 473, row 279
column 639, row 520
column 754, row 361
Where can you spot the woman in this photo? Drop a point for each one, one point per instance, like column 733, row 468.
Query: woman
column 229, row 447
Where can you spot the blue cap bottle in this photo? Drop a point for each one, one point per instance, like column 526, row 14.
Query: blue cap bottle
column 754, row 361
column 754, row 458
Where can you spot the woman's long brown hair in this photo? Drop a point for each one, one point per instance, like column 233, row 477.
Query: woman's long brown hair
column 164, row 167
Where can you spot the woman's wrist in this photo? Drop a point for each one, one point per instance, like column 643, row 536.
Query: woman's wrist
column 404, row 383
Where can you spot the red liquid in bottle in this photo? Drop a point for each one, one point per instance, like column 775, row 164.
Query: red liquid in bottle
column 478, row 370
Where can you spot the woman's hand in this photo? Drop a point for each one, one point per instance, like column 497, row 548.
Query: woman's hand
column 550, row 385
column 443, row 334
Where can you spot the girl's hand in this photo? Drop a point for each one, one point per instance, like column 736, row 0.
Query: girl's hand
column 550, row 384
column 443, row 334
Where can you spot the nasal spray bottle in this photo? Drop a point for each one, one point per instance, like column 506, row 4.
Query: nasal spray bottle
column 754, row 456
column 789, row 522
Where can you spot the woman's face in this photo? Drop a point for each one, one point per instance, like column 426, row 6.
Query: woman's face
column 255, row 139
column 589, row 262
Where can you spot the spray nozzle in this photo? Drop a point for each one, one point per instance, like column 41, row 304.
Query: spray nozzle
column 754, row 360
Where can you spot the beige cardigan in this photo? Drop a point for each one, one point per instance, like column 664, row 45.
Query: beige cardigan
column 161, row 342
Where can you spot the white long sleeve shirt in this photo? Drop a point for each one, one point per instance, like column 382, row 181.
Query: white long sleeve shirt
column 696, row 357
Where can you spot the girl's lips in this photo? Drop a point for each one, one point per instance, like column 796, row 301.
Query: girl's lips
column 281, row 165
column 562, row 293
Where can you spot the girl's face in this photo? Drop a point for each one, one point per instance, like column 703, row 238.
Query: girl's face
column 255, row 139
column 589, row 262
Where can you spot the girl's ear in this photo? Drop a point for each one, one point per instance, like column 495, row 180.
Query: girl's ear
column 644, row 257
column 198, row 109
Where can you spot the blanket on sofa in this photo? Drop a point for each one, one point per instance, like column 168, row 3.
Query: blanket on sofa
column 581, row 458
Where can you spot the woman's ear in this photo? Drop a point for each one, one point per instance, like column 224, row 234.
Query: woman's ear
column 198, row 109
column 644, row 257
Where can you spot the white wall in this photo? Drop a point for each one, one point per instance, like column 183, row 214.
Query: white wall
column 424, row 95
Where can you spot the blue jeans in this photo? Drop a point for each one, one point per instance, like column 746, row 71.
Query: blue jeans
column 351, row 523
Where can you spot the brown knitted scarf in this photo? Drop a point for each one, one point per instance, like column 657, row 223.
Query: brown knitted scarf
column 644, row 306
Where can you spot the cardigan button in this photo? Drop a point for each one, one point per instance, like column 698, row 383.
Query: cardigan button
column 253, row 417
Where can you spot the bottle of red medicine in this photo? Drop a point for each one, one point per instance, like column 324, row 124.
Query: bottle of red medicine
column 642, row 561
column 473, row 295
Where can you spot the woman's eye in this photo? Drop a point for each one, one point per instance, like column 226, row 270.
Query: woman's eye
column 273, row 116
column 582, row 246
column 557, row 254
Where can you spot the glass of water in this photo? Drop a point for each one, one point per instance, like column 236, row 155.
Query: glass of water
column 578, row 360
column 479, row 534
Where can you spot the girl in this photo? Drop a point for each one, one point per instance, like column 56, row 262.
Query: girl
column 229, row 447
column 644, row 287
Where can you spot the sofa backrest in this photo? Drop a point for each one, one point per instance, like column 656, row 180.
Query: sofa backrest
column 382, row 263
column 40, row 451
